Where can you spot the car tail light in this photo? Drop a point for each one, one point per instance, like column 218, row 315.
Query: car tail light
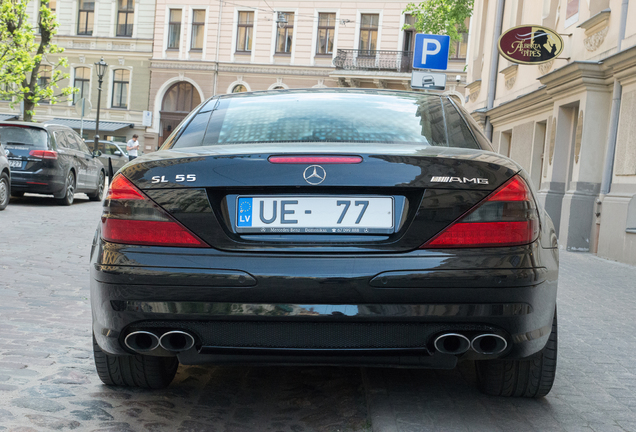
column 43, row 154
column 131, row 217
column 507, row 217
column 315, row 159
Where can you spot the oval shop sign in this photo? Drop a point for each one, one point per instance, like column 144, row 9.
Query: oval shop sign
column 529, row 44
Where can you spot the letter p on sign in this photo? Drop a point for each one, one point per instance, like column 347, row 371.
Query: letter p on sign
column 432, row 47
column 431, row 51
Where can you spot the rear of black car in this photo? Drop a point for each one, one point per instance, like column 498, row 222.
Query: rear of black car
column 326, row 227
column 33, row 158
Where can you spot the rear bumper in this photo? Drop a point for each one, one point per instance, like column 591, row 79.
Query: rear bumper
column 42, row 181
column 335, row 309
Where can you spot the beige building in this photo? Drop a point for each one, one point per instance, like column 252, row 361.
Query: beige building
column 205, row 47
column 555, row 118
column 120, row 31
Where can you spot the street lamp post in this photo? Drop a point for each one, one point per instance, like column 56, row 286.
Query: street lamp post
column 101, row 70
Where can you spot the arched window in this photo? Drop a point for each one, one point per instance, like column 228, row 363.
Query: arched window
column 121, row 78
column 181, row 97
column 278, row 88
column 81, row 81
column 239, row 88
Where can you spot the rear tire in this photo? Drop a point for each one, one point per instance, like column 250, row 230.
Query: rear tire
column 530, row 378
column 134, row 371
column 69, row 190
column 5, row 190
column 99, row 193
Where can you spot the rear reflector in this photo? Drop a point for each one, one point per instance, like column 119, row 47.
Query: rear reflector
column 43, row 154
column 508, row 217
column 315, row 159
column 130, row 217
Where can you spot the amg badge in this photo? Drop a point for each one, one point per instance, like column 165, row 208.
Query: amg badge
column 441, row 179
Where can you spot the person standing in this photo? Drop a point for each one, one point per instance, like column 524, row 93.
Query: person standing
column 132, row 146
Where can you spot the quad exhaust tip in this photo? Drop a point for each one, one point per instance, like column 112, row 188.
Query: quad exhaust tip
column 142, row 341
column 176, row 341
column 489, row 344
column 452, row 343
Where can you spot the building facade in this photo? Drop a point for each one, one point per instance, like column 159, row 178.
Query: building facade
column 554, row 118
column 120, row 31
column 205, row 48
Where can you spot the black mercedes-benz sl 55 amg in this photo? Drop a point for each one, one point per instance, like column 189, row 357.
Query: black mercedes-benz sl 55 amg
column 332, row 226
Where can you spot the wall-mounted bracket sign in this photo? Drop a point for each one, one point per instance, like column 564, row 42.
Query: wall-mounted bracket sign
column 528, row 44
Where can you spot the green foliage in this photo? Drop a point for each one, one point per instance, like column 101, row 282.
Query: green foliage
column 442, row 17
column 23, row 56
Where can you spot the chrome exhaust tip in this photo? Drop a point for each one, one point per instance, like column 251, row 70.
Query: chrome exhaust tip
column 489, row 344
column 176, row 341
column 142, row 341
column 452, row 343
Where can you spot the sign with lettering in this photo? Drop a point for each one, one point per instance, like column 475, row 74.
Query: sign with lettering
column 528, row 44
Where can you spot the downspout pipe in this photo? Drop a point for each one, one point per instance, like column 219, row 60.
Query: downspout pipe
column 494, row 65
column 216, row 54
column 610, row 152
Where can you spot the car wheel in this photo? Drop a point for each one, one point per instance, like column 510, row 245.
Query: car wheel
column 531, row 378
column 99, row 193
column 134, row 370
column 69, row 190
column 17, row 194
column 5, row 190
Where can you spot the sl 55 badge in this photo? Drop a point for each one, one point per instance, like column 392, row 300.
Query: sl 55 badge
column 179, row 178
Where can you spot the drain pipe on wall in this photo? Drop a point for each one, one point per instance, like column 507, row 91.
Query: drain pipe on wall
column 218, row 43
column 610, row 152
column 494, row 65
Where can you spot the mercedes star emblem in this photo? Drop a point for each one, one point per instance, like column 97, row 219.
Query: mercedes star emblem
column 315, row 174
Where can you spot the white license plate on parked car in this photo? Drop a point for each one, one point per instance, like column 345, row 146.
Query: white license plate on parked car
column 315, row 215
column 15, row 164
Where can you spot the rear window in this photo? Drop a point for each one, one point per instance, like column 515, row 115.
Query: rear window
column 330, row 117
column 23, row 136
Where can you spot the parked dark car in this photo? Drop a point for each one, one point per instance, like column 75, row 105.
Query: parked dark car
column 116, row 152
column 5, row 178
column 51, row 159
column 340, row 227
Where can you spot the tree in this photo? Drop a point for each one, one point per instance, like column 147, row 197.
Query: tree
column 26, row 74
column 442, row 17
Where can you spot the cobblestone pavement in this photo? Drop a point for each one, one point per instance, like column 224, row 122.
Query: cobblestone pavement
column 48, row 382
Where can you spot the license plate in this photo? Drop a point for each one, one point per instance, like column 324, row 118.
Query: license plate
column 314, row 215
column 15, row 164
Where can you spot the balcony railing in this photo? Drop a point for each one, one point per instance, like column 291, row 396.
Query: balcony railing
column 374, row 60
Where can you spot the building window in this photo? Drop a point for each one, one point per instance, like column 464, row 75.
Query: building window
column 285, row 34
column 326, row 31
column 44, row 78
column 245, row 28
column 85, row 17
column 51, row 5
column 368, row 34
column 125, row 18
column 81, row 81
column 239, row 88
column 409, row 33
column 174, row 29
column 4, row 90
column 198, row 27
column 572, row 8
column 121, row 78
column 460, row 48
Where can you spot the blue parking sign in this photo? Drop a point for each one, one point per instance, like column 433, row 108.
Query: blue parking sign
column 431, row 51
